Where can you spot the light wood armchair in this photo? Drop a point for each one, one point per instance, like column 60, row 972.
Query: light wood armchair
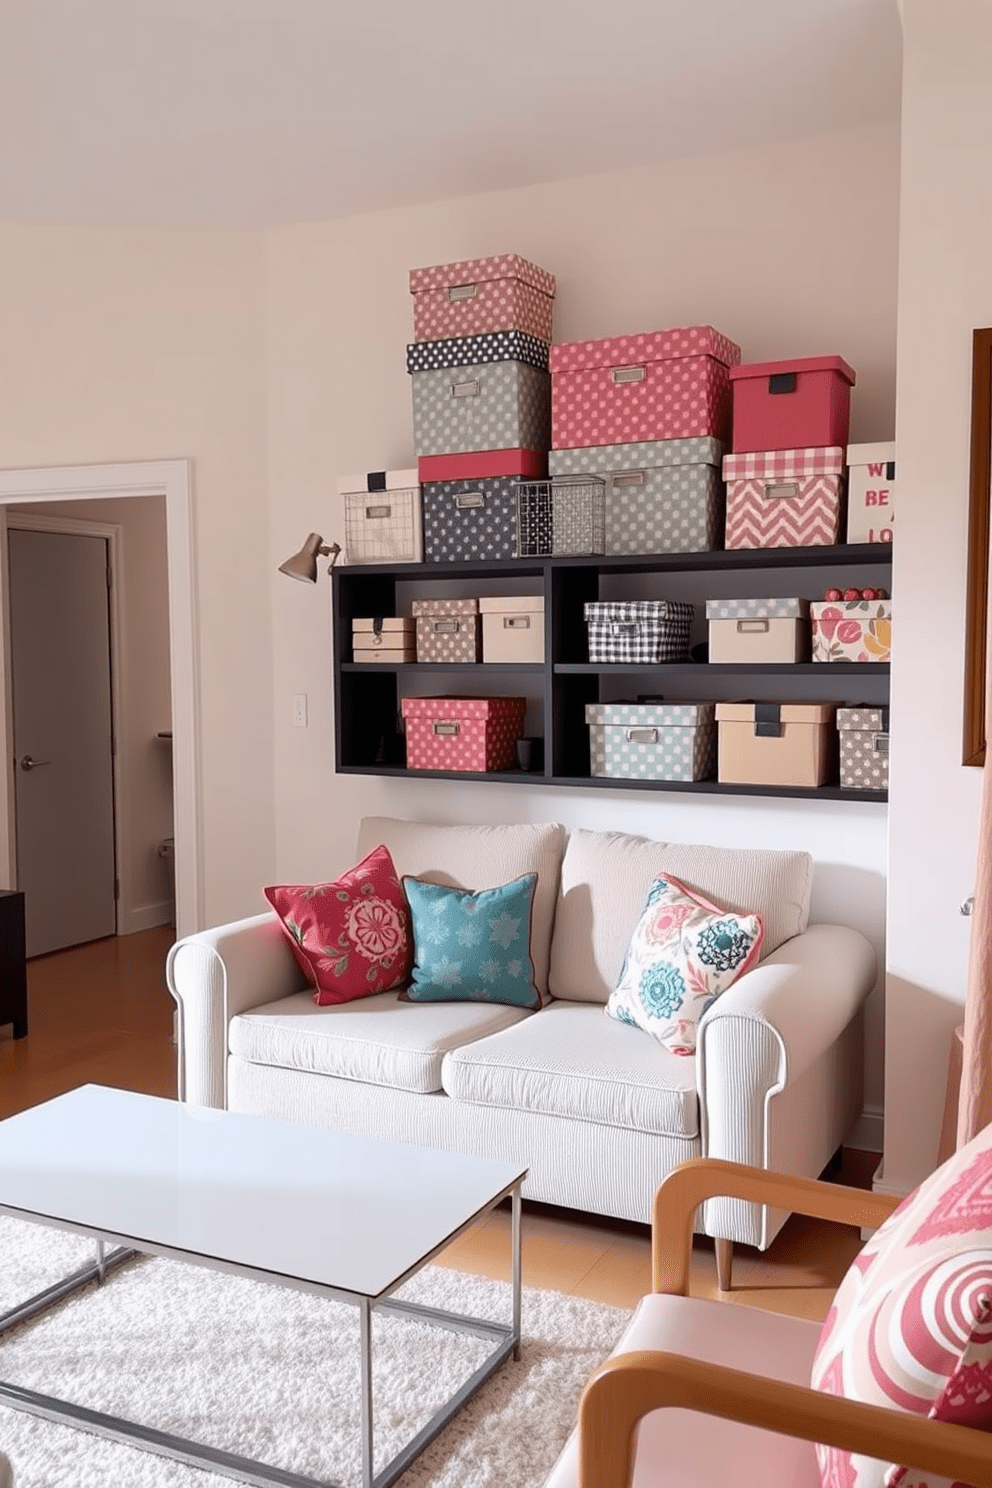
column 609, row 1452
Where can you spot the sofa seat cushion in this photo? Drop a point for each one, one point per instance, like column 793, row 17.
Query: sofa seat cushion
column 379, row 1040
column 571, row 1060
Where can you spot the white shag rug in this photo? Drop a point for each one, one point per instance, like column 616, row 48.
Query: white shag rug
column 274, row 1374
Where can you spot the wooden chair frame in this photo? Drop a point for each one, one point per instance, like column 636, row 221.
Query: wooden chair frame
column 629, row 1386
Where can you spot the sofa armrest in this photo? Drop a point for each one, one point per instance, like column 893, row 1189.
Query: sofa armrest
column 764, row 1034
column 215, row 975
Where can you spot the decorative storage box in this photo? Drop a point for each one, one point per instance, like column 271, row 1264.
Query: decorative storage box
column 468, row 351
column 513, row 627
column 789, row 498
column 482, row 464
column 382, row 517
column 638, row 630
column 864, row 748
column 626, row 389
column 447, row 629
column 801, row 404
column 652, row 741
column 852, row 630
column 478, row 295
column 563, row 516
column 385, row 638
column 487, row 406
column 662, row 496
column 469, row 520
column 757, row 630
column 871, row 492
column 459, row 733
column 776, row 743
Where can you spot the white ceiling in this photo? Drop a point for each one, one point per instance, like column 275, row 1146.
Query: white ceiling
column 273, row 111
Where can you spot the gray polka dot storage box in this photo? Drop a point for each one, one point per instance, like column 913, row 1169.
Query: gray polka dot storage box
column 864, row 748
column 638, row 630
column 662, row 496
column 481, row 406
column 652, row 741
column 475, row 296
column 448, row 629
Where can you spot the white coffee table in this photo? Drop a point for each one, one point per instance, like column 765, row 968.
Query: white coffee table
column 342, row 1216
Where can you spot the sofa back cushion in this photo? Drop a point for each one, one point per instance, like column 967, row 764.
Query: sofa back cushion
column 605, row 878
column 479, row 858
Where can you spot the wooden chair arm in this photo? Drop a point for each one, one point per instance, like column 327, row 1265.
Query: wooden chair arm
column 630, row 1385
column 679, row 1195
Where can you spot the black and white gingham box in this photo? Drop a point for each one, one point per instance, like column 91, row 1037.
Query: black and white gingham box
column 638, row 630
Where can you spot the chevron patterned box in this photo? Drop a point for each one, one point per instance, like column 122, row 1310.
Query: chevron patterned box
column 652, row 741
column 757, row 630
column 852, row 629
column 662, row 496
column 476, row 296
column 481, row 406
column 784, row 498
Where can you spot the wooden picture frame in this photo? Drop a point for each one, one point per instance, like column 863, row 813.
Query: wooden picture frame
column 976, row 614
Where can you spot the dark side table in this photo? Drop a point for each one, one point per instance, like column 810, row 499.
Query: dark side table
column 13, row 963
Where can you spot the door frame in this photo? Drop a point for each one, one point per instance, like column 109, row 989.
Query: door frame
column 172, row 479
column 11, row 518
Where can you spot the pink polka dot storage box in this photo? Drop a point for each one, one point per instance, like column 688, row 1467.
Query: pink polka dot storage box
column 474, row 296
column 462, row 733
column 657, row 385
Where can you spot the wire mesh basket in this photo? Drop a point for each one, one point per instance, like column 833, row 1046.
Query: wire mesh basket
column 566, row 515
column 383, row 526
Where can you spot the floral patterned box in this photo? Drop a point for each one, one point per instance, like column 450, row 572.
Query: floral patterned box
column 652, row 741
column 851, row 629
column 462, row 733
column 864, row 748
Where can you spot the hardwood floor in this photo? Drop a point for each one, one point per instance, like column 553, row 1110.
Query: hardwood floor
column 101, row 1013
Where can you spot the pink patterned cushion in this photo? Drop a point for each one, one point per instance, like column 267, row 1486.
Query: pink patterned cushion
column 350, row 937
column 911, row 1324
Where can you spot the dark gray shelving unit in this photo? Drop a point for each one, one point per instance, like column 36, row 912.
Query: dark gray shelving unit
column 367, row 695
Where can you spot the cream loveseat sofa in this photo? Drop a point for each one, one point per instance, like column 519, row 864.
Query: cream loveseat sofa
column 598, row 1110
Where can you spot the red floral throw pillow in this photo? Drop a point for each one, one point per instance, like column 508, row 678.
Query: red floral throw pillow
column 351, row 937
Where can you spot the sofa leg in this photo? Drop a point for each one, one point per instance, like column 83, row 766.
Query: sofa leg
column 724, row 1263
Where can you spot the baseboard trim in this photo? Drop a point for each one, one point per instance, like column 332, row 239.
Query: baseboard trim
column 146, row 917
column 868, row 1132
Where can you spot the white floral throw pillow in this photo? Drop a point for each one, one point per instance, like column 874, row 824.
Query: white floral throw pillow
column 682, row 955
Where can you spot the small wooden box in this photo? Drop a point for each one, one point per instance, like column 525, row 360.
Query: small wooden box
column 777, row 743
column 513, row 627
column 390, row 638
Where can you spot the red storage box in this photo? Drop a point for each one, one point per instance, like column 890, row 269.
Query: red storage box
column 462, row 733
column 659, row 385
column 784, row 498
column 480, row 464
column 801, row 404
column 477, row 295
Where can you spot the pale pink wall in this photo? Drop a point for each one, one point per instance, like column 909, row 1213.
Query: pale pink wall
column 945, row 291
column 137, row 344
column 790, row 250
column 145, row 697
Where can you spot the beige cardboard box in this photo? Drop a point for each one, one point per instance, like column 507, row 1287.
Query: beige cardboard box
column 757, row 630
column 871, row 492
column 389, row 638
column 513, row 627
column 777, row 743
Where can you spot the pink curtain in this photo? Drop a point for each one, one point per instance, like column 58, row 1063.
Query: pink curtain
column 975, row 1099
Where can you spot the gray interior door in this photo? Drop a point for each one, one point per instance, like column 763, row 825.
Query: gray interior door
column 63, row 737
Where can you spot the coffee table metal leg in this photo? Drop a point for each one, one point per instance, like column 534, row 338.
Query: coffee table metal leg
column 365, row 1320
column 515, row 1266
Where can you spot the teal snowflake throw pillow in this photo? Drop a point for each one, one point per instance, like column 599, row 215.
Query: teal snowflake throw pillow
column 472, row 947
column 682, row 955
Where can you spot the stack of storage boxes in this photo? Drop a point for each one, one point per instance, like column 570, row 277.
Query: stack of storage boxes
column 481, row 399
column 648, row 415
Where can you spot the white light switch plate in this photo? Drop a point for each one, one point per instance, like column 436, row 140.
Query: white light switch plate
column 300, row 710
